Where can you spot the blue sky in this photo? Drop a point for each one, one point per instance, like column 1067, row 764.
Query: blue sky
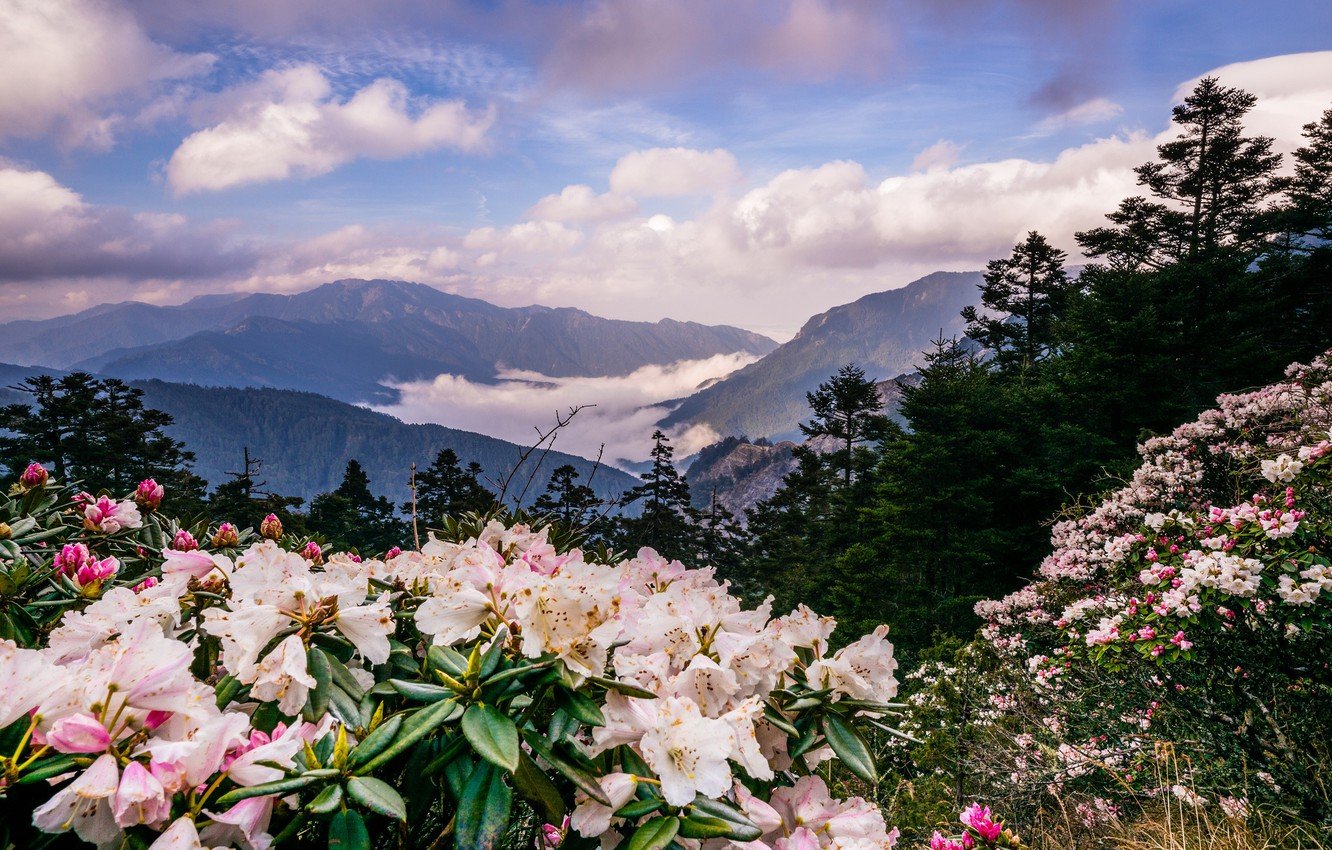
column 748, row 161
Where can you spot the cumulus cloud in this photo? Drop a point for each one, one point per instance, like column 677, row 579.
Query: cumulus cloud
column 941, row 154
column 1098, row 110
column 664, row 172
column 290, row 124
column 48, row 232
column 579, row 203
column 63, row 61
column 626, row 410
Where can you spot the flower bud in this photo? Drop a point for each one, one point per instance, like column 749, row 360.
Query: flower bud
column 226, row 536
column 271, row 527
column 392, row 553
column 71, row 558
column 148, row 495
column 313, row 553
column 184, row 542
column 33, row 477
column 78, row 733
column 5, row 531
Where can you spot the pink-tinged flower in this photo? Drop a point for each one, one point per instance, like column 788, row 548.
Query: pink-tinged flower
column 552, row 836
column 148, row 495
column 90, row 576
column 78, row 733
column 84, row 805
column 313, row 553
column 70, row 557
column 33, row 477
column 1180, row 641
column 226, row 536
column 151, row 581
column 979, row 818
column 392, row 553
column 108, row 517
column 184, row 541
column 939, row 841
column 181, row 835
column 156, row 718
column 140, row 799
column 243, row 825
column 193, row 563
column 271, row 528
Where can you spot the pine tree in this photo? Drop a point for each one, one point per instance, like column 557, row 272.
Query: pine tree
column 446, row 489
column 98, row 432
column 848, row 410
column 665, row 521
column 1028, row 291
column 243, row 501
column 721, row 537
column 566, row 500
column 351, row 517
column 1307, row 212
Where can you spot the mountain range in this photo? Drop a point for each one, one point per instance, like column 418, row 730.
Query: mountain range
column 348, row 338
column 305, row 440
column 884, row 334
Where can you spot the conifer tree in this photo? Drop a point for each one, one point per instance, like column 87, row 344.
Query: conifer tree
column 665, row 521
column 1027, row 291
column 567, row 500
column 848, row 410
column 447, row 489
column 1307, row 211
column 352, row 517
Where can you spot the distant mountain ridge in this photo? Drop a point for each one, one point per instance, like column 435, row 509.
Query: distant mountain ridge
column 884, row 333
column 305, row 440
column 344, row 337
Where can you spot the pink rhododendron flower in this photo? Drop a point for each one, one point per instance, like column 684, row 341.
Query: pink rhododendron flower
column 979, row 818
column 33, row 477
column 78, row 733
column 148, row 495
column 108, row 517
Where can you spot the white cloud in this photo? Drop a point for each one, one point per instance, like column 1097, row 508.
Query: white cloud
column 664, row 172
column 580, row 203
column 63, row 61
column 626, row 410
column 49, row 232
column 941, row 154
column 290, row 124
column 1095, row 111
column 1292, row 90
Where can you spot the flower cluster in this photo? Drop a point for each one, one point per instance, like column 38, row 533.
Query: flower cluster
column 260, row 690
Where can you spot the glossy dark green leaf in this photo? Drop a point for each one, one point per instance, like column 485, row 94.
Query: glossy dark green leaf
column 639, row 808
column 579, row 706
column 282, row 786
column 532, row 783
column 849, row 747
column 325, row 801
column 625, row 688
column 655, row 834
column 377, row 796
column 483, row 810
column 580, row 777
column 375, row 743
column 414, row 728
column 347, row 831
column 492, row 735
column 420, row 691
column 316, row 704
column 742, row 828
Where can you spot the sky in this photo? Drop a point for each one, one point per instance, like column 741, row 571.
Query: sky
column 747, row 162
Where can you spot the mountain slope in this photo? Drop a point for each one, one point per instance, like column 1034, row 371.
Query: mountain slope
column 883, row 333
column 405, row 329
column 305, row 440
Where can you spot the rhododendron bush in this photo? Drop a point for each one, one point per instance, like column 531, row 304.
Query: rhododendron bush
column 1177, row 639
column 172, row 687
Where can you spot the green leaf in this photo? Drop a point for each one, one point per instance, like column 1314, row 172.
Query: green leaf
column 446, row 659
column 742, row 828
column 282, row 786
column 655, row 834
column 347, row 831
column 494, row 654
column 375, row 743
column 419, row 725
column 343, row 677
column 420, row 691
column 704, row 827
column 48, row 768
column 639, row 808
column 325, row 801
column 579, row 706
column 532, row 783
column 316, row 705
column 377, row 796
column 849, row 747
column 483, row 810
column 492, row 735
column 623, row 687
column 345, row 708
column 585, row 781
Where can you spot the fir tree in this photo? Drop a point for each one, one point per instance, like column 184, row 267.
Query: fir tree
column 567, row 500
column 664, row 523
column 351, row 517
column 1028, row 291
column 446, row 489
column 848, row 410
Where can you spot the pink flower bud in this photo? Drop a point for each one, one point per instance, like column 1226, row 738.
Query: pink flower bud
column 71, row 557
column 140, row 799
column 149, row 494
column 89, row 577
column 78, row 733
column 151, row 581
column 184, row 542
column 271, row 527
column 392, row 553
column 226, row 536
column 313, row 553
column 33, row 477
